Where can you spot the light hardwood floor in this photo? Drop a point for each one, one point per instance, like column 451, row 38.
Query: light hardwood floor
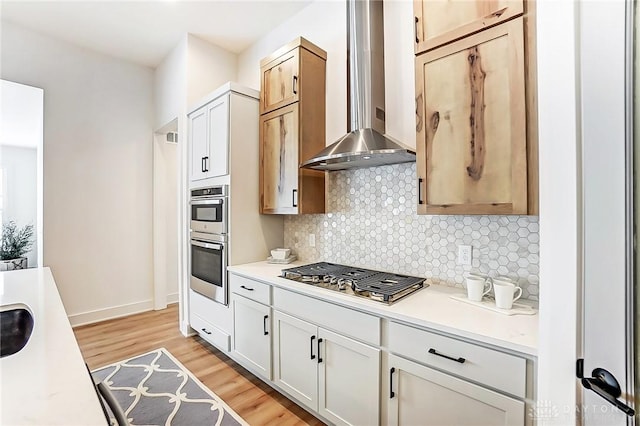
column 114, row 340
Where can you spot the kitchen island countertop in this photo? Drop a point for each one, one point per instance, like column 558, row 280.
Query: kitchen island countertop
column 430, row 307
column 47, row 382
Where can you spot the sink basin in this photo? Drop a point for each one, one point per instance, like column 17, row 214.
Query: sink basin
column 16, row 325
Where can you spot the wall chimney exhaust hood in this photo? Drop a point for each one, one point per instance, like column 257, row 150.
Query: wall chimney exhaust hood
column 365, row 145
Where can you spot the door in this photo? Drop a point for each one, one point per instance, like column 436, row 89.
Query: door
column 471, row 125
column 422, row 396
column 280, row 82
column 349, row 379
column 440, row 22
column 295, row 351
column 609, row 215
column 252, row 334
column 217, row 163
column 279, row 158
column 198, row 143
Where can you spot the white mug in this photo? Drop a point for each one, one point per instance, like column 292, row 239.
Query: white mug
column 477, row 286
column 504, row 289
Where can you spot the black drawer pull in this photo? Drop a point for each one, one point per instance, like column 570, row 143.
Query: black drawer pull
column 311, row 349
column 206, row 331
column 391, row 392
column 264, row 324
column 319, row 357
column 459, row 359
column 246, row 288
column 420, row 201
column 415, row 29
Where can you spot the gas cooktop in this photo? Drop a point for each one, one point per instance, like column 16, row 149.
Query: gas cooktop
column 384, row 287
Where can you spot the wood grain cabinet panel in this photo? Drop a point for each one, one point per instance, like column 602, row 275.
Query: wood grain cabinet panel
column 279, row 160
column 280, row 82
column 292, row 129
column 438, row 22
column 471, row 125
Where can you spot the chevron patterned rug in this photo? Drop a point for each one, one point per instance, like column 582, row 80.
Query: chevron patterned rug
column 156, row 389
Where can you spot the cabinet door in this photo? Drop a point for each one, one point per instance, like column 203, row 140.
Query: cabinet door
column 198, row 143
column 437, row 22
column 471, row 125
column 280, row 82
column 426, row 397
column 218, row 157
column 252, row 334
column 279, row 161
column 295, row 367
column 349, row 375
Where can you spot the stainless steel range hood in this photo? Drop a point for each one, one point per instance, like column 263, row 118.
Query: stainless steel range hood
column 365, row 145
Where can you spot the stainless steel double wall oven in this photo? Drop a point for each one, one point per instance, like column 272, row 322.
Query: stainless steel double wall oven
column 209, row 242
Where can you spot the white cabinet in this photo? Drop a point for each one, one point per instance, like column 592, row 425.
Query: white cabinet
column 331, row 374
column 295, row 356
column 209, row 139
column 419, row 395
column 349, row 380
column 211, row 320
column 252, row 334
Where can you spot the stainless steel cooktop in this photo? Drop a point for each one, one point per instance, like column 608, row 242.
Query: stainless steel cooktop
column 383, row 287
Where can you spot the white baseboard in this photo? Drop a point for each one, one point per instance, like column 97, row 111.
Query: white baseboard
column 172, row 298
column 110, row 313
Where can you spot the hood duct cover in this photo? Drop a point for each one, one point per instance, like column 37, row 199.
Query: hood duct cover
column 365, row 145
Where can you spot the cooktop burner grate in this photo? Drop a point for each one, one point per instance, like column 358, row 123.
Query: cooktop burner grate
column 381, row 286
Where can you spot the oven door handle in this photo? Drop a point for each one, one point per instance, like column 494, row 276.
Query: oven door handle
column 206, row 245
column 206, row 202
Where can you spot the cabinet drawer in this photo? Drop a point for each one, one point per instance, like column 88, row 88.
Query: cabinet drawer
column 213, row 312
column 347, row 322
column 486, row 366
column 255, row 290
column 211, row 333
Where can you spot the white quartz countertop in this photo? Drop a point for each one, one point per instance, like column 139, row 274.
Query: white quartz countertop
column 430, row 307
column 46, row 383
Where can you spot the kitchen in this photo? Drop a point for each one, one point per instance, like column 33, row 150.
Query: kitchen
column 399, row 102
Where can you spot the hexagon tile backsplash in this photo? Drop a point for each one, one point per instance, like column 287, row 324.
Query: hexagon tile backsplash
column 372, row 223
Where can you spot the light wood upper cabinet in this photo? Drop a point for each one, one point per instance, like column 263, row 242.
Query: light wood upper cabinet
column 292, row 129
column 279, row 159
column 438, row 22
column 280, row 82
column 471, row 125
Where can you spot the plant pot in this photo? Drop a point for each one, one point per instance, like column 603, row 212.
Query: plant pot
column 13, row 264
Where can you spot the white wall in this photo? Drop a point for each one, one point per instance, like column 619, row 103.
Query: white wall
column 165, row 221
column 19, row 202
column 97, row 171
column 208, row 67
column 170, row 85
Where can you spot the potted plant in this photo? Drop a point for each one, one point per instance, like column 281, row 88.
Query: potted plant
column 14, row 244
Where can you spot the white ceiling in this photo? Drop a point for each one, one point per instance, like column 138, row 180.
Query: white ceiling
column 144, row 32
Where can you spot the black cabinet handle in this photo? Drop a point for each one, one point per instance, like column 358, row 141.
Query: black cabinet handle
column 319, row 357
column 391, row 392
column 202, row 165
column 415, row 29
column 311, row 348
column 206, row 331
column 294, row 198
column 459, row 359
column 264, row 324
column 206, row 165
column 604, row 384
column 295, row 84
column 420, row 201
column 246, row 288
